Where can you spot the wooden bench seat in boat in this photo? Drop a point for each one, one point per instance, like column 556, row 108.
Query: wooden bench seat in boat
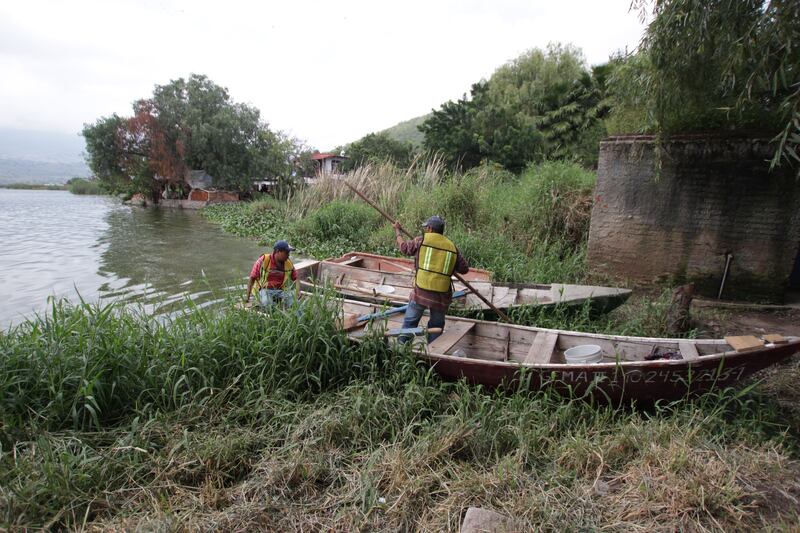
column 688, row 350
column 453, row 332
column 541, row 350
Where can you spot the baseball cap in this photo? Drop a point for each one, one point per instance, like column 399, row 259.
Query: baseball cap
column 282, row 245
column 435, row 222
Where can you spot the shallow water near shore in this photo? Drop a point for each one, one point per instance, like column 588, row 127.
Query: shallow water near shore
column 55, row 243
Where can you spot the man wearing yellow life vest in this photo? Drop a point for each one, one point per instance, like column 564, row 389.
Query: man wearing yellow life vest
column 271, row 276
column 435, row 258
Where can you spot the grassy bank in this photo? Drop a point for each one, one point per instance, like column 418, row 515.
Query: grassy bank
column 233, row 421
column 529, row 228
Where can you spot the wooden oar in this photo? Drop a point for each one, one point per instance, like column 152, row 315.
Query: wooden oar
column 396, row 332
column 456, row 274
column 372, row 292
column 355, row 321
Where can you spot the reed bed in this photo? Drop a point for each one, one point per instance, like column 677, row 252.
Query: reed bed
column 524, row 228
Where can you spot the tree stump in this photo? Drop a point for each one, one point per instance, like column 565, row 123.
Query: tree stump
column 679, row 319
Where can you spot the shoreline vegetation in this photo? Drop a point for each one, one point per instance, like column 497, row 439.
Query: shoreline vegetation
column 228, row 421
column 222, row 419
column 74, row 185
column 34, row 186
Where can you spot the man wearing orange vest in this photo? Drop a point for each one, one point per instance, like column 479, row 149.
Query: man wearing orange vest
column 435, row 259
column 271, row 276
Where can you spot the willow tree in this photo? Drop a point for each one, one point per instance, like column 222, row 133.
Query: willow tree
column 719, row 65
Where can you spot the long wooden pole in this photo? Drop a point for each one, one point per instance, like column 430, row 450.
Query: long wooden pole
column 456, row 274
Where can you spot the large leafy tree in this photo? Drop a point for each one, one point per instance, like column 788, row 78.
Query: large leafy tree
column 376, row 147
column 451, row 132
column 717, row 65
column 543, row 104
column 186, row 124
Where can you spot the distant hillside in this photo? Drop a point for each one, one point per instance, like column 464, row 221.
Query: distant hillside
column 407, row 131
column 25, row 171
column 40, row 156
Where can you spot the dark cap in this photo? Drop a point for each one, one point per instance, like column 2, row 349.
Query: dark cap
column 282, row 245
column 436, row 224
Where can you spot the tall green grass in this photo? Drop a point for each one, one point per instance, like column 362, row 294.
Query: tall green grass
column 528, row 228
column 88, row 366
column 234, row 420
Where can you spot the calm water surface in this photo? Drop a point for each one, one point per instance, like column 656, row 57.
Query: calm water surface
column 54, row 243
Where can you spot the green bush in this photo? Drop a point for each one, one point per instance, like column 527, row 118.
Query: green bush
column 83, row 186
column 336, row 228
column 458, row 201
column 549, row 203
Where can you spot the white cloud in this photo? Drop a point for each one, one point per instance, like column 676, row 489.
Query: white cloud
column 328, row 72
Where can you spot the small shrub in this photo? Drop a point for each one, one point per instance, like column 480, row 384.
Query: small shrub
column 83, row 186
column 336, row 228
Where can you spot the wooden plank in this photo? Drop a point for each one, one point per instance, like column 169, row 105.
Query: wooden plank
column 351, row 261
column 744, row 343
column 373, row 276
column 542, row 348
column 500, row 294
column 775, row 338
column 453, row 333
column 403, row 268
column 688, row 350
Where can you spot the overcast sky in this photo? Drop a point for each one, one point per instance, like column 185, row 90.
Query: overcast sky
column 328, row 72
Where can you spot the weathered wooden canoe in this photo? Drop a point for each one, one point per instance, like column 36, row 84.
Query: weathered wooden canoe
column 403, row 265
column 495, row 354
column 379, row 279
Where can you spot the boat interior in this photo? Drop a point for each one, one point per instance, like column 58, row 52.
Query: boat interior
column 492, row 341
column 394, row 284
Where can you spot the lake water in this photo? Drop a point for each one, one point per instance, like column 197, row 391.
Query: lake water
column 54, row 243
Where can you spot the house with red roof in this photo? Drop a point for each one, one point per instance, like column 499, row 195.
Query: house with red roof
column 327, row 164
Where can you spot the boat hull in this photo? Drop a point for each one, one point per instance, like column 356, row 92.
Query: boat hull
column 386, row 280
column 505, row 355
column 648, row 382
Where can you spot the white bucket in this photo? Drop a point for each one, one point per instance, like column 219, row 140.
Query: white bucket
column 584, row 354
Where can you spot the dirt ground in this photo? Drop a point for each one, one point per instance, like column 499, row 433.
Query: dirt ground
column 717, row 322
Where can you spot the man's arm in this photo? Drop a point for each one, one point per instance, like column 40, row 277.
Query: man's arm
column 409, row 247
column 296, row 284
column 462, row 267
column 254, row 273
column 398, row 237
column 249, row 288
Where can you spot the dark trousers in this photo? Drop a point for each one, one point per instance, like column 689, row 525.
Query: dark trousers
column 414, row 313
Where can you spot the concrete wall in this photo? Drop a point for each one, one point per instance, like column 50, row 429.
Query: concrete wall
column 712, row 196
column 183, row 204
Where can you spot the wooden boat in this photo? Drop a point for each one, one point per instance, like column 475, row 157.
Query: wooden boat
column 496, row 354
column 380, row 279
column 403, row 265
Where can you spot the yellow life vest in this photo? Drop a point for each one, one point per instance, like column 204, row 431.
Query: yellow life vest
column 262, row 282
column 436, row 261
